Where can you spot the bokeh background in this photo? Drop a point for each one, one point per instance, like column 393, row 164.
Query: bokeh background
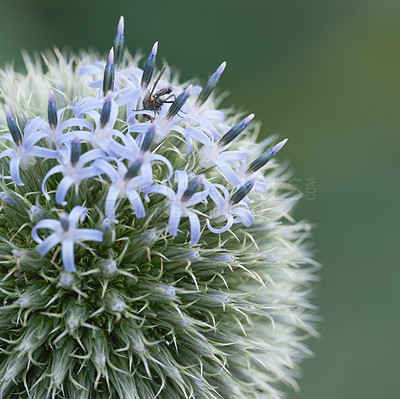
column 325, row 74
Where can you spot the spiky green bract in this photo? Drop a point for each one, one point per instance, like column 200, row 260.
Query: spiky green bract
column 147, row 314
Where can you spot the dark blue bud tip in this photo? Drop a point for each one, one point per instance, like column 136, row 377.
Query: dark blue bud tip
column 52, row 110
column 192, row 188
column 133, row 170
column 64, row 221
column 228, row 137
column 149, row 67
column 106, row 110
column 13, row 126
column 242, row 191
column 75, row 150
column 119, row 42
column 210, row 85
column 264, row 158
column 109, row 73
column 148, row 138
column 179, row 102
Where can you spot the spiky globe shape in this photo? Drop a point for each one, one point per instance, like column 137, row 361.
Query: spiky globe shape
column 146, row 244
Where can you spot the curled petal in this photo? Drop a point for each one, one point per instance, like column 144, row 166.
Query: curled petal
column 160, row 189
column 89, row 235
column 43, row 152
column 227, row 171
column 32, row 126
column 77, row 214
column 216, row 196
column 234, row 155
column 194, row 227
column 174, row 219
column 128, row 95
column 147, row 174
column 121, row 151
column 52, row 171
column 104, row 167
column 33, row 139
column 50, row 224
column 14, row 170
column 198, row 135
column 182, row 178
column 63, row 187
column 243, row 215
column 81, row 135
column 136, row 202
column 228, row 225
column 197, row 197
column 75, row 122
column 91, row 156
column 88, row 172
column 7, row 153
column 160, row 158
column 111, row 200
column 68, row 256
column 49, row 243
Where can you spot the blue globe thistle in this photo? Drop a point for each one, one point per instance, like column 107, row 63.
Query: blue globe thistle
column 147, row 247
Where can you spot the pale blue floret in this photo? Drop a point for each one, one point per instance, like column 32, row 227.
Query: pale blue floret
column 214, row 152
column 25, row 150
column 246, row 172
column 132, row 152
column 187, row 195
column 54, row 129
column 103, row 130
column 73, row 168
column 64, row 231
column 124, row 183
column 229, row 208
column 166, row 120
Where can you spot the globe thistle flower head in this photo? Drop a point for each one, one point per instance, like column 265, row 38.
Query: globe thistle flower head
column 147, row 244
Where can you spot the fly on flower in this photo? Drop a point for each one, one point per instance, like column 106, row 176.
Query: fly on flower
column 154, row 101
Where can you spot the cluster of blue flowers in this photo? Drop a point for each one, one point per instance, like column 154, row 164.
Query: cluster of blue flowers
column 149, row 114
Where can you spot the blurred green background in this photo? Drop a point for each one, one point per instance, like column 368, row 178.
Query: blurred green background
column 325, row 74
